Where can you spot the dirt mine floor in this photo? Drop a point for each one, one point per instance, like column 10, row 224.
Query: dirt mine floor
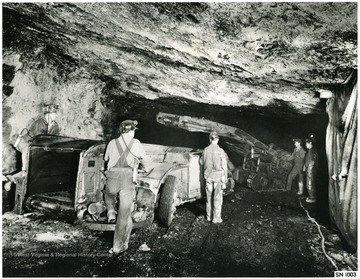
column 263, row 235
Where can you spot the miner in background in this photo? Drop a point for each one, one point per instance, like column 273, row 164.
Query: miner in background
column 215, row 174
column 297, row 156
column 46, row 124
column 43, row 125
column 310, row 167
column 123, row 156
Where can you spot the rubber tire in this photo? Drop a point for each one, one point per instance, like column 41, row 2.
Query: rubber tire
column 166, row 203
column 258, row 181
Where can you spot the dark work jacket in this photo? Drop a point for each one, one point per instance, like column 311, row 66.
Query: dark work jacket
column 311, row 159
column 298, row 156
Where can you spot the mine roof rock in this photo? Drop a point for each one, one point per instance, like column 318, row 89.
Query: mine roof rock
column 261, row 54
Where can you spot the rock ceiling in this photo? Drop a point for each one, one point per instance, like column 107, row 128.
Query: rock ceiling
column 237, row 54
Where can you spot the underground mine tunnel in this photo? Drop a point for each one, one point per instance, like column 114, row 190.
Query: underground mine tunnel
column 259, row 74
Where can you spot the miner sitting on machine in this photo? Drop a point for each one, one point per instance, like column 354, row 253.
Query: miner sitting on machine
column 43, row 125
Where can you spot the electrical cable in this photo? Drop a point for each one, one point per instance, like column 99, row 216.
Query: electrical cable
column 322, row 237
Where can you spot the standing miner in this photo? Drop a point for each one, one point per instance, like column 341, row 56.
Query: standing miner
column 123, row 156
column 297, row 156
column 215, row 174
column 310, row 167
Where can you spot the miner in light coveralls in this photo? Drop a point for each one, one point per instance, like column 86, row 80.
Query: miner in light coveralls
column 43, row 125
column 215, row 174
column 123, row 156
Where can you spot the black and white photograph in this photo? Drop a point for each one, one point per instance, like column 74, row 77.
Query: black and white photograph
column 179, row 139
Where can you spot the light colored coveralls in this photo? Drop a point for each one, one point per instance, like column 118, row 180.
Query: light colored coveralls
column 42, row 127
column 215, row 174
column 311, row 163
column 39, row 127
column 298, row 156
column 119, row 174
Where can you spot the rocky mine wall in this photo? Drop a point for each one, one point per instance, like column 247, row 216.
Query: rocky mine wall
column 255, row 66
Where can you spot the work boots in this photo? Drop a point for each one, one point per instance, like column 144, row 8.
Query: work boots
column 312, row 193
column 301, row 189
column 309, row 200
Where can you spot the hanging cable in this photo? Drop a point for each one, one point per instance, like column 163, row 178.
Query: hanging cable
column 322, row 236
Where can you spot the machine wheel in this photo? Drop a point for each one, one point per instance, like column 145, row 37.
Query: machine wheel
column 167, row 205
column 257, row 181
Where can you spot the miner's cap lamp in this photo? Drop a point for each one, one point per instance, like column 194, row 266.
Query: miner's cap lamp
column 311, row 138
column 51, row 108
column 325, row 94
column 128, row 125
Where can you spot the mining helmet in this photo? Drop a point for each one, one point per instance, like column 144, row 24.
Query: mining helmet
column 311, row 139
column 213, row 136
column 298, row 140
column 127, row 126
column 51, row 108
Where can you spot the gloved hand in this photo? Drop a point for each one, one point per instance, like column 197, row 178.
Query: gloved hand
column 223, row 179
column 7, row 186
column 18, row 178
column 223, row 182
column 144, row 171
column 343, row 174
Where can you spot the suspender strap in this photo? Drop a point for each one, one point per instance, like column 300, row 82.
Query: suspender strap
column 128, row 149
column 123, row 154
